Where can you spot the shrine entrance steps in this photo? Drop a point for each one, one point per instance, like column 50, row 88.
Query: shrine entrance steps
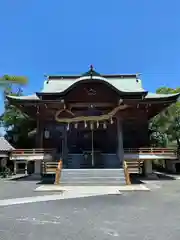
column 89, row 177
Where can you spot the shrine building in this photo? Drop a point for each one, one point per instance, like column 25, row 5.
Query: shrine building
column 90, row 119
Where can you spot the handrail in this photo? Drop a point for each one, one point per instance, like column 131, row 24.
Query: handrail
column 32, row 151
column 126, row 150
column 126, row 173
column 151, row 150
column 58, row 172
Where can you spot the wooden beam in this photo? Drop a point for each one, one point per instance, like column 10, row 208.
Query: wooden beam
column 98, row 104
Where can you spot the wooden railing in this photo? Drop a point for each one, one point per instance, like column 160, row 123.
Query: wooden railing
column 157, row 151
column 134, row 166
column 126, row 150
column 58, row 172
column 32, row 151
column 49, row 167
column 126, row 173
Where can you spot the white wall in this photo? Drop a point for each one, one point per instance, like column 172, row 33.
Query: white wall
column 37, row 167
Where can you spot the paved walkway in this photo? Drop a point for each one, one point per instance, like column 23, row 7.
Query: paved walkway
column 91, row 189
column 70, row 193
column 152, row 215
column 26, row 190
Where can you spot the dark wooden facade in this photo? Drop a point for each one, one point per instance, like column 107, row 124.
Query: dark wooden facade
column 91, row 98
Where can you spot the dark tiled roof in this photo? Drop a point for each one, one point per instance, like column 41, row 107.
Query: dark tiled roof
column 5, row 145
column 91, row 73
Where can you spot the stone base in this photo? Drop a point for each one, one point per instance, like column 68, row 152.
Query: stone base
column 151, row 176
column 170, row 165
column 91, row 189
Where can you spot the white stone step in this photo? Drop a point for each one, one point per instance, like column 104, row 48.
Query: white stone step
column 96, row 177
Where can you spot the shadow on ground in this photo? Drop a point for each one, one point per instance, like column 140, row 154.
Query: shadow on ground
column 135, row 178
column 34, row 178
column 138, row 179
column 165, row 177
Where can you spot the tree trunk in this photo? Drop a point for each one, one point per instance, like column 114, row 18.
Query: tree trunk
column 178, row 147
column 178, row 142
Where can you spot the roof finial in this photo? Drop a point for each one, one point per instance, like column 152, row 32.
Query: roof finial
column 91, row 67
column 91, row 71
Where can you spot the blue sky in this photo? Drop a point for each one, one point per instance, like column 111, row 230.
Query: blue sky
column 65, row 36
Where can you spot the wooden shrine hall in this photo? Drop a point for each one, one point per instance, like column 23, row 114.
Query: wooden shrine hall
column 90, row 119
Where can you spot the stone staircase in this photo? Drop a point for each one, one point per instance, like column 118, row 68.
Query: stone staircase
column 93, row 177
column 90, row 177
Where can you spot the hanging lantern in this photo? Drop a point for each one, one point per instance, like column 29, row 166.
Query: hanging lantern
column 91, row 126
column 97, row 124
column 85, row 124
column 111, row 121
column 67, row 127
column 76, row 125
column 46, row 134
column 104, row 125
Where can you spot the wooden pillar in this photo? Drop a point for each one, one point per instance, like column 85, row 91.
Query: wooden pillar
column 64, row 146
column 39, row 128
column 39, row 140
column 39, row 134
column 120, row 149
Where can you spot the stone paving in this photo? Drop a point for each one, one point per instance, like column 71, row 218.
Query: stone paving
column 18, row 189
column 135, row 215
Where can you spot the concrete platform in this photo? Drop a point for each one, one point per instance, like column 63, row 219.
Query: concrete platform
column 92, row 189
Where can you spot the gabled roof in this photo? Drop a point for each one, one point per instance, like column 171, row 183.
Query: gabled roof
column 125, row 84
column 130, row 84
column 120, row 82
column 5, row 146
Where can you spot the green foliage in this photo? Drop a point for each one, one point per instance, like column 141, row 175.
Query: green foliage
column 15, row 123
column 165, row 127
column 7, row 79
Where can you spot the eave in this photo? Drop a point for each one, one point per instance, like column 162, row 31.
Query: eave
column 161, row 98
column 57, row 77
column 139, row 95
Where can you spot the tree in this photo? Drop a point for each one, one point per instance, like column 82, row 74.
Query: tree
column 7, row 79
column 14, row 122
column 165, row 127
column 11, row 85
